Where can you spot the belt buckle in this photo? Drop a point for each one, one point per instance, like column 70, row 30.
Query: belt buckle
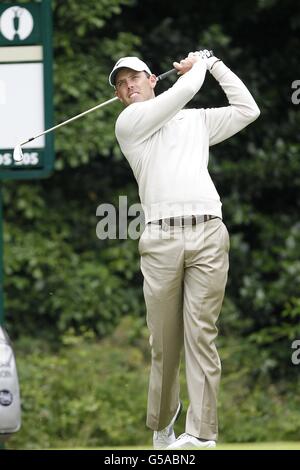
column 163, row 225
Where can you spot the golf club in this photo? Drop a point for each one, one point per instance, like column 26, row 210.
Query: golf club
column 18, row 153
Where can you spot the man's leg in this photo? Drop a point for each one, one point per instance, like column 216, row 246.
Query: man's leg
column 206, row 267
column 162, row 267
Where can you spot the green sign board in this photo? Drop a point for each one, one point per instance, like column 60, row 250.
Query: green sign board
column 26, row 88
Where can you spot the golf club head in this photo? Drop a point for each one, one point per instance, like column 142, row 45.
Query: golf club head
column 18, row 154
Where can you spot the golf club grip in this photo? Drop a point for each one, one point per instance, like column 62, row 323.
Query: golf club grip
column 166, row 74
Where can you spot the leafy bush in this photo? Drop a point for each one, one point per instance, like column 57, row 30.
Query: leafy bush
column 93, row 393
column 255, row 406
column 89, row 393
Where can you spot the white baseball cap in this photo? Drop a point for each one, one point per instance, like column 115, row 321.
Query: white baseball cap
column 133, row 63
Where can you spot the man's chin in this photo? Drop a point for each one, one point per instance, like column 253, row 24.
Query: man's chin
column 136, row 98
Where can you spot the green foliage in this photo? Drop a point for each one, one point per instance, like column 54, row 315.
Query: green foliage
column 83, row 59
column 253, row 406
column 65, row 281
column 91, row 393
column 87, row 393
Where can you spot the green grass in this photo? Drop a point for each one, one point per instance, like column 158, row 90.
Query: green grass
column 228, row 446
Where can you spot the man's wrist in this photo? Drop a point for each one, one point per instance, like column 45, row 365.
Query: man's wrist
column 211, row 61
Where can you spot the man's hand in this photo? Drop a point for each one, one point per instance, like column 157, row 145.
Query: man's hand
column 186, row 64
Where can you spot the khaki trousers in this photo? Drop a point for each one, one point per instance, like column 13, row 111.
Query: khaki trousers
column 185, row 273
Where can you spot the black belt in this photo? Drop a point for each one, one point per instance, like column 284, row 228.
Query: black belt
column 186, row 220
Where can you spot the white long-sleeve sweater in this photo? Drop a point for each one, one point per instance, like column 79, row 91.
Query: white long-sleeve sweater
column 167, row 146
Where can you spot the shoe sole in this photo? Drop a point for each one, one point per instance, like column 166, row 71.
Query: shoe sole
column 193, row 447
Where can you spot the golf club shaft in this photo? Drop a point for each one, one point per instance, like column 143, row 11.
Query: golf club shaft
column 71, row 119
column 160, row 77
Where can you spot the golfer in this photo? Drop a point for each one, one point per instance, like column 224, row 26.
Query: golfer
column 184, row 247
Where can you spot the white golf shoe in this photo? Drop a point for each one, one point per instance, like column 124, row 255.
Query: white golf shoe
column 162, row 439
column 186, row 441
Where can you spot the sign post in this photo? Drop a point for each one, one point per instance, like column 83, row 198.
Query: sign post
column 25, row 96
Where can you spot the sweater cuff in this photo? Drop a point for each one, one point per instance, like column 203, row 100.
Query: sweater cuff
column 218, row 70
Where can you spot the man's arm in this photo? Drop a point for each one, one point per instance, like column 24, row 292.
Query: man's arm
column 140, row 120
column 226, row 121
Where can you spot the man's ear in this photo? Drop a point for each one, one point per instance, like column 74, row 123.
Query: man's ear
column 153, row 80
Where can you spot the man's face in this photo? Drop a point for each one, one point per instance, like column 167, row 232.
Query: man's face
column 132, row 86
